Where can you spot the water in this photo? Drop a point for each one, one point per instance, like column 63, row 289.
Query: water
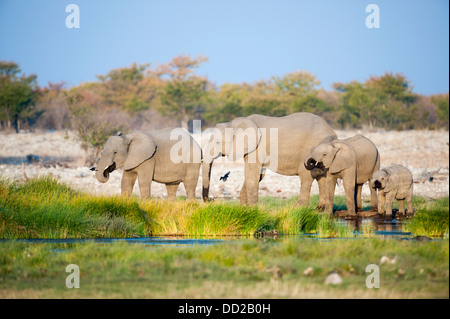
column 151, row 241
column 383, row 228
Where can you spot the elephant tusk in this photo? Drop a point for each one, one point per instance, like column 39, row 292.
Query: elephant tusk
column 109, row 169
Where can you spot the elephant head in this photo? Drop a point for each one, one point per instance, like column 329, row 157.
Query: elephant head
column 234, row 139
column 383, row 180
column 333, row 157
column 128, row 151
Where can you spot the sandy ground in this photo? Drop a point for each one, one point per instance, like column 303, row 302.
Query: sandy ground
column 425, row 153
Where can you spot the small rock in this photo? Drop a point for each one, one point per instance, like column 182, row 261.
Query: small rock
column 387, row 260
column 351, row 269
column 309, row 272
column 401, row 273
column 276, row 272
column 333, row 279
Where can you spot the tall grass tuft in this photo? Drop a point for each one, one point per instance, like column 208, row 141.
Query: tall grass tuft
column 330, row 228
column 44, row 208
column 431, row 219
column 296, row 220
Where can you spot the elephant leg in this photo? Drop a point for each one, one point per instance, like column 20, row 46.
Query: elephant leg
column 373, row 199
column 172, row 191
column 350, row 193
column 330, row 189
column 306, row 181
column 252, row 172
column 243, row 195
column 190, row 183
column 127, row 183
column 325, row 201
column 145, row 178
column 359, row 197
column 401, row 207
column 322, row 193
column 390, row 197
column 145, row 185
column 409, row 203
column 381, row 202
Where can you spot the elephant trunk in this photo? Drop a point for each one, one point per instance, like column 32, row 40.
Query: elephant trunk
column 103, row 170
column 206, row 177
column 376, row 184
column 310, row 163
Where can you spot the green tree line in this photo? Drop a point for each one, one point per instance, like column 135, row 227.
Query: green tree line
column 145, row 97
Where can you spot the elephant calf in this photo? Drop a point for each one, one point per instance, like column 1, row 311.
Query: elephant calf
column 355, row 160
column 393, row 182
column 152, row 156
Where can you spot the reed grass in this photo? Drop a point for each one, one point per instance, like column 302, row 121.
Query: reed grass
column 45, row 208
column 431, row 219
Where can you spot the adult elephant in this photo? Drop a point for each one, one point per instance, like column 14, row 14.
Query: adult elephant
column 277, row 143
column 168, row 156
column 354, row 160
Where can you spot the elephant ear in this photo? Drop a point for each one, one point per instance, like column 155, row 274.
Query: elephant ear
column 392, row 181
column 141, row 147
column 344, row 157
column 246, row 137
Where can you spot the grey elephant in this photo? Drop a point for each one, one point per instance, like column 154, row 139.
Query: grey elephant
column 152, row 156
column 354, row 160
column 276, row 143
column 393, row 183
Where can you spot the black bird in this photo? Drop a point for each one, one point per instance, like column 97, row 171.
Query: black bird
column 224, row 177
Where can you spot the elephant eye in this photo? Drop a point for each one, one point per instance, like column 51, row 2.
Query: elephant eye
column 114, row 153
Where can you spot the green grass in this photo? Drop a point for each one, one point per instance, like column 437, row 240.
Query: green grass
column 45, row 208
column 236, row 269
column 431, row 219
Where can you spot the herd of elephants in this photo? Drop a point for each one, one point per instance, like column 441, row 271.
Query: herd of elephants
column 300, row 144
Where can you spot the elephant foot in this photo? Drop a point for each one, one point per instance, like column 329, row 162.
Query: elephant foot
column 340, row 213
column 351, row 216
column 367, row 214
column 400, row 215
column 302, row 203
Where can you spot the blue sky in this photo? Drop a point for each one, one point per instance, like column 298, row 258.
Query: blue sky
column 245, row 40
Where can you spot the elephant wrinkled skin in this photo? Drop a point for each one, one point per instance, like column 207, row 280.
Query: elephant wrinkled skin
column 147, row 156
column 393, row 183
column 354, row 160
column 277, row 143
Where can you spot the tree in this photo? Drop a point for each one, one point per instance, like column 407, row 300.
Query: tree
column 17, row 95
column 441, row 101
column 122, row 88
column 382, row 101
column 297, row 83
column 93, row 126
column 52, row 104
column 183, row 93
